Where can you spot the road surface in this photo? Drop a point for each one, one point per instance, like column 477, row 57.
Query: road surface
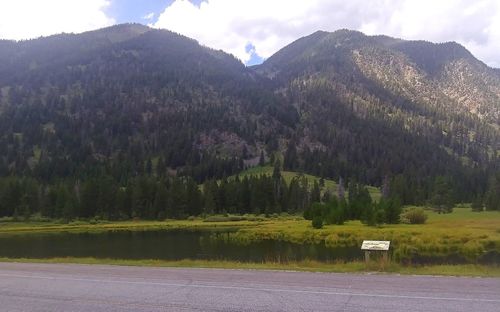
column 71, row 287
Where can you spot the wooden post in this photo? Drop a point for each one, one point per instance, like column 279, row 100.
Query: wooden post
column 367, row 256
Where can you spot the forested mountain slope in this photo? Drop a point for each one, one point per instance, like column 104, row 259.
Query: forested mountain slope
column 378, row 105
column 126, row 102
column 124, row 96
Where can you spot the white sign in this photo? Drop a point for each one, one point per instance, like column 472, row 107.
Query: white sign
column 375, row 245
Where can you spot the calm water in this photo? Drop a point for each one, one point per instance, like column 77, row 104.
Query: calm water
column 165, row 245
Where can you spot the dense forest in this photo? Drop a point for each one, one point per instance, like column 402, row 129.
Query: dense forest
column 132, row 122
column 153, row 197
column 156, row 198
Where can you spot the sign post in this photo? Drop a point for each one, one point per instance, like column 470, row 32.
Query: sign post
column 368, row 246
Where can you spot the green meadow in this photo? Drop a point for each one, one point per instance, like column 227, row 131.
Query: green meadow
column 289, row 175
column 458, row 242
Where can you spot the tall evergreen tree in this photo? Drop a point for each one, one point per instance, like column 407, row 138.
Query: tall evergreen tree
column 492, row 196
column 442, row 199
column 262, row 158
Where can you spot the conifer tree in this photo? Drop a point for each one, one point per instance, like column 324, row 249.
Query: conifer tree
column 262, row 158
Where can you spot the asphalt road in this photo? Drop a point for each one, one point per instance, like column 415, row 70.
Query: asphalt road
column 69, row 287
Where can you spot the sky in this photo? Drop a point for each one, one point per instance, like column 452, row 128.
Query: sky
column 253, row 30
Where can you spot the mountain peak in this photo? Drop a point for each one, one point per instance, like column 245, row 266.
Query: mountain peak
column 429, row 56
column 120, row 32
column 432, row 57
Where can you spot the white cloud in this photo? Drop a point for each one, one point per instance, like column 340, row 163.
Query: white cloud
column 271, row 24
column 24, row 19
column 149, row 16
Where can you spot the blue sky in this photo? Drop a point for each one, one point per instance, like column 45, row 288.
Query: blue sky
column 124, row 11
column 148, row 11
column 127, row 11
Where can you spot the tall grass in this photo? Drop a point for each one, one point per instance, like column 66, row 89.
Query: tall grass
column 462, row 236
column 307, row 265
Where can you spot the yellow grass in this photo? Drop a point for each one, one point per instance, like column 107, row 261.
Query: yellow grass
column 464, row 233
column 308, row 266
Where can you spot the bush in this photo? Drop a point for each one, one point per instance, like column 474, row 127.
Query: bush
column 414, row 216
column 78, row 222
column 224, row 218
column 477, row 204
column 229, row 218
column 37, row 217
column 308, row 214
column 317, row 222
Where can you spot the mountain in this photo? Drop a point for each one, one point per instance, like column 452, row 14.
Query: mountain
column 129, row 100
column 389, row 105
column 429, row 74
column 125, row 95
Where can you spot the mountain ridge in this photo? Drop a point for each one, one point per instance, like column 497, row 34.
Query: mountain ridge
column 129, row 99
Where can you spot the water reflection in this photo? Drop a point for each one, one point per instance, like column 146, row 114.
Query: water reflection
column 166, row 245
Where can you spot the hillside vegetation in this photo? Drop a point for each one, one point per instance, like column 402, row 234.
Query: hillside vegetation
column 125, row 122
column 330, row 185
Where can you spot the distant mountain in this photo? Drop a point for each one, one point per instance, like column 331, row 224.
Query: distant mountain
column 430, row 74
column 124, row 95
column 129, row 100
column 390, row 104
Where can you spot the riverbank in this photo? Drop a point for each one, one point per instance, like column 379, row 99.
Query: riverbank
column 467, row 239
column 306, row 266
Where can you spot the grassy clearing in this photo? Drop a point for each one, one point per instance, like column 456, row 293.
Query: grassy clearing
column 307, row 266
column 289, row 175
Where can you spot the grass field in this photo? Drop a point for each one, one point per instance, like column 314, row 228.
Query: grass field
column 308, row 266
column 289, row 175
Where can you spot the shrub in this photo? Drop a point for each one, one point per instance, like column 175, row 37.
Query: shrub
column 414, row 216
column 477, row 204
column 308, row 214
column 317, row 222
column 228, row 218
column 78, row 222
column 37, row 217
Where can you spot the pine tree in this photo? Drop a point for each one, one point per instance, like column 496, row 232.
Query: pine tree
column 385, row 187
column 161, row 201
column 477, row 204
column 277, row 185
column 392, row 209
column 492, row 196
column 442, row 199
column 209, row 206
column 291, row 157
column 149, row 167
column 194, row 199
column 245, row 196
column 262, row 158
column 316, row 193
column 161, row 168
column 340, row 189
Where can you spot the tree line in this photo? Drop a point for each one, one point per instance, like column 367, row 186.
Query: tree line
column 358, row 205
column 152, row 197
